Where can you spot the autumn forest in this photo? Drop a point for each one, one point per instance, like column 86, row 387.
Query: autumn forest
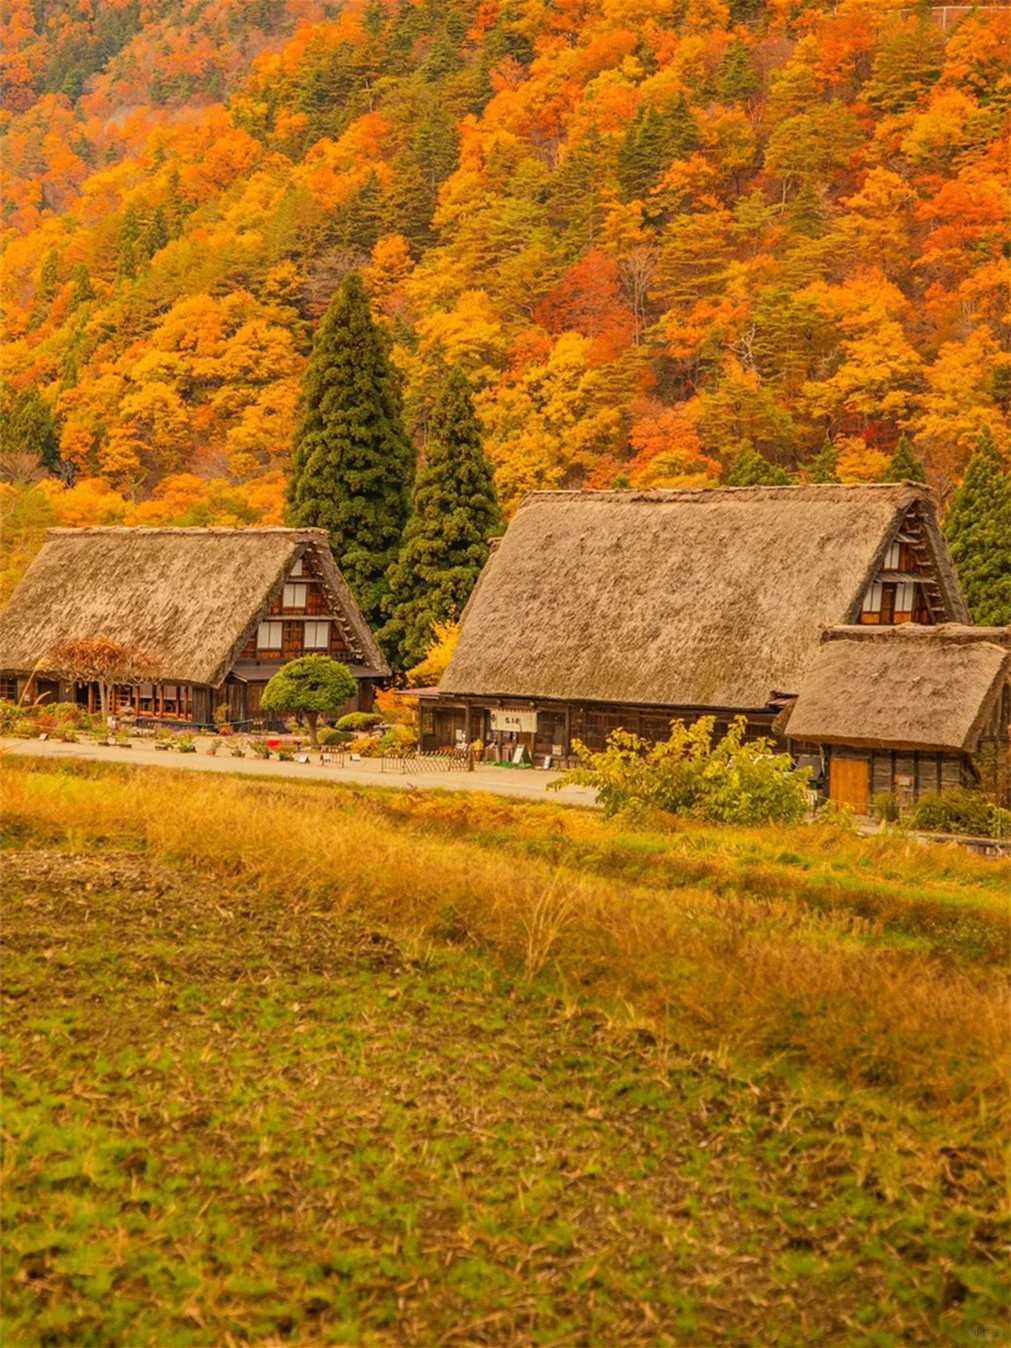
column 664, row 240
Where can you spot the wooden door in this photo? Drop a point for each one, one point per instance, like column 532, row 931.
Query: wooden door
column 847, row 782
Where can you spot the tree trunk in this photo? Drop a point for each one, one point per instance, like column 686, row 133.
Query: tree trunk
column 103, row 698
column 311, row 717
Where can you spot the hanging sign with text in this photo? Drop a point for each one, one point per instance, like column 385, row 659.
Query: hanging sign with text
column 514, row 722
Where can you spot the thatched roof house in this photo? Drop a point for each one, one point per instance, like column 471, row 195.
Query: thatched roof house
column 922, row 688
column 195, row 601
column 708, row 600
column 904, row 709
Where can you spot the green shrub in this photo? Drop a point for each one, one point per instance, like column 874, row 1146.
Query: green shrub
column 886, row 807
column 735, row 781
column 260, row 748
column 961, row 810
column 327, row 737
column 398, row 739
column 359, row 720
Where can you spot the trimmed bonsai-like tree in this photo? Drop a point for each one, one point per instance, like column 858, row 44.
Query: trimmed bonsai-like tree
column 314, row 685
column 99, row 660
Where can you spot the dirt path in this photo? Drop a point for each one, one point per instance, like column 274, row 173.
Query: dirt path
column 529, row 783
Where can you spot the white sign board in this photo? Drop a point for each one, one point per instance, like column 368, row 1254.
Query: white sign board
column 516, row 722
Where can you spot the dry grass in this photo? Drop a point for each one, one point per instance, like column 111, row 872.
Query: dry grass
column 286, row 1063
column 817, row 987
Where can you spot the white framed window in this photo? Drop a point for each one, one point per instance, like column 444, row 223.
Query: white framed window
column 872, row 599
column 905, row 597
column 893, row 558
column 317, row 636
column 268, row 637
column 294, row 596
column 296, row 570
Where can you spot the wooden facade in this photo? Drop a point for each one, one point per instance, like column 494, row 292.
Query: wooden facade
column 546, row 729
column 217, row 650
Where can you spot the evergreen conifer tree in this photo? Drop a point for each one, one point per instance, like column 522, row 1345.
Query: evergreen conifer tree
column 126, row 245
column 904, row 466
column 808, row 215
column 824, row 467
column 446, row 540
column 978, row 528
column 26, row 425
column 735, row 79
column 352, row 462
column 83, row 289
column 751, row 469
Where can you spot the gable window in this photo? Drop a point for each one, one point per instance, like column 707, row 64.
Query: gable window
column 268, row 637
column 294, row 596
column 317, row 636
column 892, row 602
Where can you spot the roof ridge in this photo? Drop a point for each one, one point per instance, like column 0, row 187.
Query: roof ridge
column 648, row 495
column 228, row 530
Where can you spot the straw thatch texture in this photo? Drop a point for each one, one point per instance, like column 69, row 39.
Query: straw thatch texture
column 677, row 598
column 903, row 687
column 187, row 597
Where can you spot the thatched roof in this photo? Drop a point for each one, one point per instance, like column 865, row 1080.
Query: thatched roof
column 678, row 598
column 905, row 687
column 189, row 598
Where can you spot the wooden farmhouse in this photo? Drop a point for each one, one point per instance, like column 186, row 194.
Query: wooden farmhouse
column 904, row 709
column 611, row 609
column 215, row 612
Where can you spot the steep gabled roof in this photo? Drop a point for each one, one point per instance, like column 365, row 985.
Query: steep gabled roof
column 907, row 687
column 678, row 598
column 189, row 598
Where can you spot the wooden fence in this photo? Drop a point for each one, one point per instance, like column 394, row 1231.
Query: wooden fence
column 461, row 760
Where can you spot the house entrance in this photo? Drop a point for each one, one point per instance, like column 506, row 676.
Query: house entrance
column 847, row 782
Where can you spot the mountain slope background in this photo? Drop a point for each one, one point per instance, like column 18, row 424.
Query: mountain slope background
column 652, row 233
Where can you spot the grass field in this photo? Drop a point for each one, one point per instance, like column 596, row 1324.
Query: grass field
column 292, row 1063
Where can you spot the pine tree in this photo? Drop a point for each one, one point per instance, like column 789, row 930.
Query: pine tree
column 127, row 245
column 978, row 528
column 352, row 462
column 446, row 539
column 641, row 153
column 807, row 214
column 681, row 130
column 750, row 469
column 735, row 79
column 28, row 427
column 156, row 236
column 904, row 466
column 83, row 289
column 824, row 467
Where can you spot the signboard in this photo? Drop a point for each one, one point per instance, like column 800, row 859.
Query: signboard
column 514, row 722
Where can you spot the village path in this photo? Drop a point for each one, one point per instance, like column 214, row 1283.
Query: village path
column 528, row 783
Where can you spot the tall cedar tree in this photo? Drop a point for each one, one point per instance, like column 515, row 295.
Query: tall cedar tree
column 352, row 462
column 904, row 466
column 978, row 528
column 446, row 540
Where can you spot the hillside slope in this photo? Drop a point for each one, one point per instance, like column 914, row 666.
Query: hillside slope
column 649, row 230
